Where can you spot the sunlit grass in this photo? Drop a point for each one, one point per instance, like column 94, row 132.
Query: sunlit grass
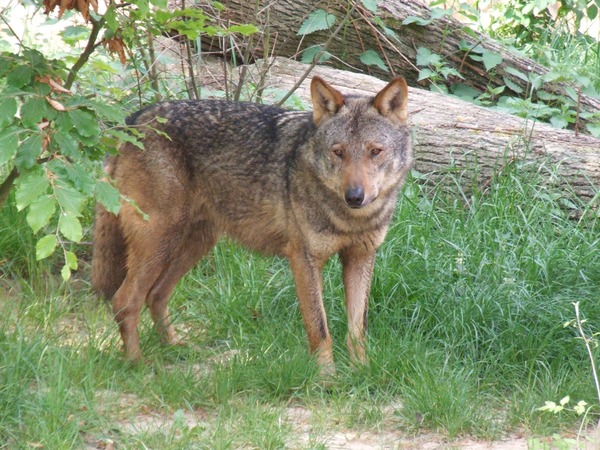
column 466, row 335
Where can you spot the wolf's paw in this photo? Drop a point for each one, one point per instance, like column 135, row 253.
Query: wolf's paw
column 327, row 375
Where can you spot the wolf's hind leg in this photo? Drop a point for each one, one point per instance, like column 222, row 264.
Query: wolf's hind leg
column 196, row 241
column 144, row 267
column 149, row 242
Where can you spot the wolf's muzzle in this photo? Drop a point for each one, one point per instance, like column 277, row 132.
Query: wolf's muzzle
column 355, row 196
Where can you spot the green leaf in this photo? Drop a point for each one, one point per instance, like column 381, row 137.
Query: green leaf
column 144, row 7
column 74, row 33
column 580, row 407
column 36, row 59
column 512, row 86
column 594, row 129
column 551, row 76
column 244, row 30
column 317, row 20
column 388, row 31
column 104, row 66
column 309, row 54
column 65, row 272
column 517, row 73
column 45, row 246
column 426, row 57
column 535, row 80
column 372, row 58
column 9, row 143
column 30, row 187
column 40, row 212
column 69, row 199
column 559, row 122
column 6, row 63
column 547, row 97
column 29, row 151
column 467, row 46
column 8, row 110
column 124, row 136
column 426, row 74
column 497, row 90
column 42, row 89
column 465, row 92
column 71, row 260
column 20, row 76
column 491, row 60
column 67, row 144
column 371, row 5
column 85, row 122
column 417, row 20
column 438, row 13
column 218, row 6
column 34, row 110
column 109, row 196
column 63, row 122
column 111, row 18
column 450, row 72
column 81, row 177
column 571, row 92
column 584, row 81
column 70, row 227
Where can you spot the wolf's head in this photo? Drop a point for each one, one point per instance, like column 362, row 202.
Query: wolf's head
column 362, row 145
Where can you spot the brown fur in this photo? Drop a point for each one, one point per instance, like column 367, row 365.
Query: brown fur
column 300, row 185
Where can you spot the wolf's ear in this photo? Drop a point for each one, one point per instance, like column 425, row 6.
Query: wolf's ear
column 392, row 101
column 326, row 100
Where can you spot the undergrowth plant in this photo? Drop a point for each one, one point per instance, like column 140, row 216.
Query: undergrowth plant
column 582, row 408
column 56, row 119
column 571, row 57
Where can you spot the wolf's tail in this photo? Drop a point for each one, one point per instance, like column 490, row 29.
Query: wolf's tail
column 109, row 253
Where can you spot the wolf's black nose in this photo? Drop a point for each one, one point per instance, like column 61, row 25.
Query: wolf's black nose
column 355, row 196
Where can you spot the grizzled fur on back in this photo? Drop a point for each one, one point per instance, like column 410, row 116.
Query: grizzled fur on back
column 303, row 185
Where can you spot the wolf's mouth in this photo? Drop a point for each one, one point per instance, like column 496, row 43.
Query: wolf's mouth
column 356, row 206
column 359, row 205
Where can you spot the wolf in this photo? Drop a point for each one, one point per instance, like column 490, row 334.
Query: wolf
column 302, row 185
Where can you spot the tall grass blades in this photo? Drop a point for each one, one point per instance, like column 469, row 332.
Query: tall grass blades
column 466, row 336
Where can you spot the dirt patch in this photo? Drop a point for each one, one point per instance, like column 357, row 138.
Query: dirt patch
column 387, row 438
column 142, row 420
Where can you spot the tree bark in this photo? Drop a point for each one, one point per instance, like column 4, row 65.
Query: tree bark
column 451, row 135
column 280, row 21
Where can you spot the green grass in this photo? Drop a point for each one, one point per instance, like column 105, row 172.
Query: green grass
column 466, row 336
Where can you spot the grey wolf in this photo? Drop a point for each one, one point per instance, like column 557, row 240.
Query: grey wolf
column 300, row 185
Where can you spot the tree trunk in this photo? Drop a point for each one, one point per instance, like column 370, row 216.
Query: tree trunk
column 280, row 21
column 451, row 134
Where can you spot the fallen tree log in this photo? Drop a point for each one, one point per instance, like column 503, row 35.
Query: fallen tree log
column 451, row 134
column 397, row 44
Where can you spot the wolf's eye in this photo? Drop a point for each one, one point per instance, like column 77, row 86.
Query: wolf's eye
column 338, row 152
column 376, row 151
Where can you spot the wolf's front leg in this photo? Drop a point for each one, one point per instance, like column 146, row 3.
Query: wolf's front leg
column 309, row 287
column 357, row 266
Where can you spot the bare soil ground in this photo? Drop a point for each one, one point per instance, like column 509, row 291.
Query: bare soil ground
column 135, row 419
column 299, row 418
